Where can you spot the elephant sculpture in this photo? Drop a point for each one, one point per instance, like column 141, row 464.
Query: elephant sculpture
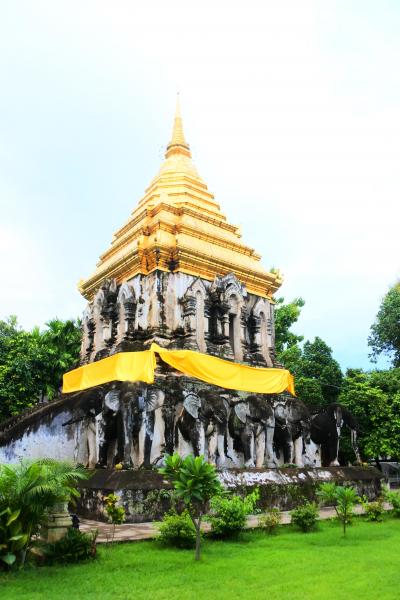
column 292, row 429
column 189, row 424
column 119, row 424
column 215, row 414
column 153, row 426
column 249, row 421
column 110, row 425
column 88, row 405
column 173, row 397
column 326, row 428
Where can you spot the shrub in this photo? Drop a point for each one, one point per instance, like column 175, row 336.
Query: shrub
column 270, row 520
column 177, row 530
column 32, row 488
column 393, row 497
column 229, row 514
column 115, row 514
column 343, row 499
column 12, row 538
column 74, row 547
column 373, row 510
column 305, row 516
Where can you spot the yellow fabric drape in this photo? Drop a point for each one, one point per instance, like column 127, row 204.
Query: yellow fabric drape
column 227, row 374
column 140, row 366
column 124, row 366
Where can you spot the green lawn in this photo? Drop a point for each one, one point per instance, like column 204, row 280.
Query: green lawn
column 291, row 565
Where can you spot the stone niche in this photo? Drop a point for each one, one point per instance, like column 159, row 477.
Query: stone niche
column 179, row 311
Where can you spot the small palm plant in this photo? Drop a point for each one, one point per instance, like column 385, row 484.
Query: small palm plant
column 343, row 500
column 33, row 488
column 195, row 481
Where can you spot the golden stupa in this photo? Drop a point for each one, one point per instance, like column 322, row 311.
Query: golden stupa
column 179, row 227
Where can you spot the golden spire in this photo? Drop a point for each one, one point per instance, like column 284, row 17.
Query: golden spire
column 178, row 226
column 178, row 144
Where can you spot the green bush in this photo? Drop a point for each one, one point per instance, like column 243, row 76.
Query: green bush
column 305, row 516
column 177, row 530
column 115, row 514
column 74, row 547
column 270, row 520
column 12, row 538
column 229, row 514
column 393, row 497
column 373, row 510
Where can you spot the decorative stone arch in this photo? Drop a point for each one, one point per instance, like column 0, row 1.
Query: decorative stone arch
column 194, row 315
column 262, row 314
column 126, row 311
column 103, row 314
column 234, row 296
column 99, row 302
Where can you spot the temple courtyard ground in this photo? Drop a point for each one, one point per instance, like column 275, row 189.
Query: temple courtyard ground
column 320, row 565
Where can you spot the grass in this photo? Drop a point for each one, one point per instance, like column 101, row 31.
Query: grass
column 319, row 565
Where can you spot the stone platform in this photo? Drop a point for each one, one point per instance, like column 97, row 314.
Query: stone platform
column 146, row 495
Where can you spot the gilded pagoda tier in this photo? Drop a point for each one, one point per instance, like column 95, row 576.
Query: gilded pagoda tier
column 179, row 227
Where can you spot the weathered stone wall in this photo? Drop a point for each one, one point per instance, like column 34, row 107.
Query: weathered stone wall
column 146, row 496
column 50, row 440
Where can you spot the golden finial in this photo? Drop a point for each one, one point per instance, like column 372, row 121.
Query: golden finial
column 178, row 144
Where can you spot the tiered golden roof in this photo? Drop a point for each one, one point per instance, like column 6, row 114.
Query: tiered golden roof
column 178, row 226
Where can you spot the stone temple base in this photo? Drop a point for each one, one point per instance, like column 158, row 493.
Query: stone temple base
column 146, row 496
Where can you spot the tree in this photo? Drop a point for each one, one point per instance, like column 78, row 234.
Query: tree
column 60, row 344
column 318, row 364
column 374, row 399
column 318, row 376
column 286, row 315
column 32, row 362
column 195, row 481
column 385, row 332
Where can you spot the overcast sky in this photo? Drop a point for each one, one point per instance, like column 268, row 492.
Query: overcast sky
column 292, row 111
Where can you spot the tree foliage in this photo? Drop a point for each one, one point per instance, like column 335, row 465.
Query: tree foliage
column 374, row 399
column 32, row 362
column 385, row 332
column 286, row 315
column 318, row 376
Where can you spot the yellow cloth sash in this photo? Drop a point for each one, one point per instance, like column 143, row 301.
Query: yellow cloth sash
column 140, row 366
column 227, row 374
column 124, row 366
